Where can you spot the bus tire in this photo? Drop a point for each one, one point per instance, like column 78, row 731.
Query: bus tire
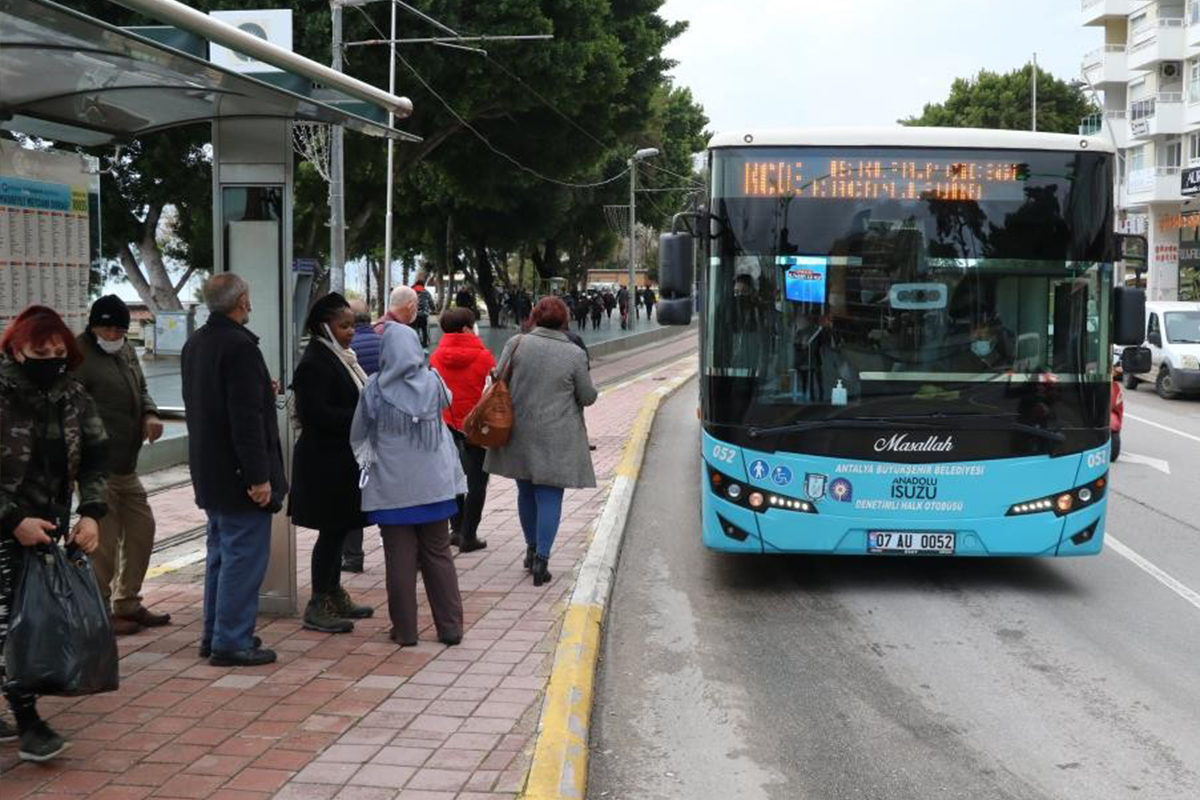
column 1164, row 385
column 1130, row 381
column 1114, row 447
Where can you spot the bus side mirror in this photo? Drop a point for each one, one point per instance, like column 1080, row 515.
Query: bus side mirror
column 676, row 273
column 1129, row 315
column 1135, row 360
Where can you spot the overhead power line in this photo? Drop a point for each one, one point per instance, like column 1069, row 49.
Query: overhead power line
column 482, row 137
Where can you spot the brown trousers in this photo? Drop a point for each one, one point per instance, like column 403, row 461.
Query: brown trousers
column 405, row 548
column 126, row 539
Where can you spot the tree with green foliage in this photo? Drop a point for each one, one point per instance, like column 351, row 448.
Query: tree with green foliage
column 994, row 100
column 503, row 135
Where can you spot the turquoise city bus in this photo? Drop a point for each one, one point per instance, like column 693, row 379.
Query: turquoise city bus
column 906, row 340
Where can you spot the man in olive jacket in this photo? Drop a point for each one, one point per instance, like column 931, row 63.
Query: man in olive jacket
column 113, row 377
column 237, row 468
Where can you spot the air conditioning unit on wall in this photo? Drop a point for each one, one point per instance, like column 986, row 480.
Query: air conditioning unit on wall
column 1170, row 70
column 272, row 25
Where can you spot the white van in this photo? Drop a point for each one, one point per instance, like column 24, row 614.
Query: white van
column 1173, row 336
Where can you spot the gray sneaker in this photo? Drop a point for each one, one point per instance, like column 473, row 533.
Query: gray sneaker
column 40, row 743
column 8, row 731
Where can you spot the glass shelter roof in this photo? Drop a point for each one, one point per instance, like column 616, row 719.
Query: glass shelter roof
column 69, row 77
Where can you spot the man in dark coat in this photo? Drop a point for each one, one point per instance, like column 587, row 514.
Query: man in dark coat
column 366, row 342
column 111, row 374
column 237, row 468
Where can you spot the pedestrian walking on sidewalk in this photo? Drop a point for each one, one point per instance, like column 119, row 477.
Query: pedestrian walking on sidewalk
column 237, row 468
column 410, row 478
column 324, row 493
column 464, row 364
column 425, row 309
column 548, row 451
column 365, row 344
column 112, row 375
column 52, row 442
column 649, row 298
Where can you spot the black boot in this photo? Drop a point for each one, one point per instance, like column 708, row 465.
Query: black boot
column 472, row 543
column 540, row 572
column 530, row 552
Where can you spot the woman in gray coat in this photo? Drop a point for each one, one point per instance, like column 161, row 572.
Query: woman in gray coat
column 410, row 478
column 548, row 450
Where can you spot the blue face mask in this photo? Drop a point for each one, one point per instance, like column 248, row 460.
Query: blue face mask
column 981, row 347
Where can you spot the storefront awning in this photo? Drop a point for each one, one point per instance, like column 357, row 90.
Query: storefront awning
column 72, row 78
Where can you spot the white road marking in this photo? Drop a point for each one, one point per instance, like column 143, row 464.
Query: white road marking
column 1153, row 424
column 1159, row 464
column 1146, row 566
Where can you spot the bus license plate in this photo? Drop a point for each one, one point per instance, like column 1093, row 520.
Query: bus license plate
column 911, row 542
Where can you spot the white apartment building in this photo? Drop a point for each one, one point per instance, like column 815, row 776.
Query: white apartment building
column 1146, row 76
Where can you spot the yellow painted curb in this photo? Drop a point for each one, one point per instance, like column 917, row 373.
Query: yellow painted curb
column 559, row 768
column 560, row 755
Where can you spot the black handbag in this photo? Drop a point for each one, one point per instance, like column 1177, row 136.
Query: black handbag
column 60, row 639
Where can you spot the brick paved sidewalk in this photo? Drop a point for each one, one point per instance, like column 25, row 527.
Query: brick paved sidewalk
column 347, row 716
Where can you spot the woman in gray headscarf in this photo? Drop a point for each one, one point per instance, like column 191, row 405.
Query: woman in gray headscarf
column 411, row 476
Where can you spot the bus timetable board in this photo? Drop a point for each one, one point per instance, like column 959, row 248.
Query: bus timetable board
column 857, row 178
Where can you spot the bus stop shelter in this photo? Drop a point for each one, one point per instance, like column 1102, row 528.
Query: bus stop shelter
column 73, row 79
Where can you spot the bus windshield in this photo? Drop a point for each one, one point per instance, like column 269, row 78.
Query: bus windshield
column 872, row 283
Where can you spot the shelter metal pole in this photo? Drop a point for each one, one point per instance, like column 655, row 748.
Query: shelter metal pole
column 337, row 204
column 391, row 148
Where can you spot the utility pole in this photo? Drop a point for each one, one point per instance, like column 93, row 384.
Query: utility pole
column 1033, row 94
column 337, row 200
column 645, row 152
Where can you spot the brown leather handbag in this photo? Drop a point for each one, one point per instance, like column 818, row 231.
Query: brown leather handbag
column 490, row 422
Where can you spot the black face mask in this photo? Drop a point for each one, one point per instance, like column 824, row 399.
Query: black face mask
column 43, row 372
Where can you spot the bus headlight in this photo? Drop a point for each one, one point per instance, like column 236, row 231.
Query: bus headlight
column 758, row 500
column 1063, row 503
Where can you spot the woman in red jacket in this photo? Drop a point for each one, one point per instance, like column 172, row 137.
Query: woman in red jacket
column 464, row 363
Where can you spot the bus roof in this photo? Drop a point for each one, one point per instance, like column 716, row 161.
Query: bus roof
column 900, row 136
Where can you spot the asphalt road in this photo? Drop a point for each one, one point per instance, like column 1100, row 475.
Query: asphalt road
column 889, row 679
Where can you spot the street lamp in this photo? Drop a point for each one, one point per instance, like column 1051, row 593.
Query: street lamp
column 640, row 155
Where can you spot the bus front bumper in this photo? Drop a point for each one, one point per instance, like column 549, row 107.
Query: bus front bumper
column 731, row 528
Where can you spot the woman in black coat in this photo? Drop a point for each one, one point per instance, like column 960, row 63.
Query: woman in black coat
column 325, row 493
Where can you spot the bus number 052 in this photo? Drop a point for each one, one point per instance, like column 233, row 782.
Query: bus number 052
column 723, row 454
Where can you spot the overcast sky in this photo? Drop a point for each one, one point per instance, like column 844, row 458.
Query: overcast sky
column 793, row 63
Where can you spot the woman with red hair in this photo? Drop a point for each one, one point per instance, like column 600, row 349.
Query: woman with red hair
column 52, row 441
column 548, row 450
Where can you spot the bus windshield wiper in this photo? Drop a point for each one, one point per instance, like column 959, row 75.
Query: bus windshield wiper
column 873, row 423
column 981, row 423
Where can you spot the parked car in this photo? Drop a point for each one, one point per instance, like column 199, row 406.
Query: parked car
column 1173, row 337
column 1117, row 418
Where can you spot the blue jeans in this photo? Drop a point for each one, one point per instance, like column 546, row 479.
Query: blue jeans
column 239, row 545
column 540, row 510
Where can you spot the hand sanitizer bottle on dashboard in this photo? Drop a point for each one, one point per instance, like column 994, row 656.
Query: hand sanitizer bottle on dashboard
column 839, row 397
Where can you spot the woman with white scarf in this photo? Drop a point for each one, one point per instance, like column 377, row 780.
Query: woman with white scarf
column 325, row 493
column 411, row 476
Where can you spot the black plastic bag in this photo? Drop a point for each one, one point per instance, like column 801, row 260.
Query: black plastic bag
column 60, row 639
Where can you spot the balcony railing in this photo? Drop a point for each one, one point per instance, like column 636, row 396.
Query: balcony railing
column 1096, row 57
column 1093, row 124
column 1086, row 4
column 1146, row 34
column 1143, row 180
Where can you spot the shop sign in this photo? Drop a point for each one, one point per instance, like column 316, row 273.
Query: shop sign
column 1190, row 181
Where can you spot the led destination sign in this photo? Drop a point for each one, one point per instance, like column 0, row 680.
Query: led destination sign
column 883, row 179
